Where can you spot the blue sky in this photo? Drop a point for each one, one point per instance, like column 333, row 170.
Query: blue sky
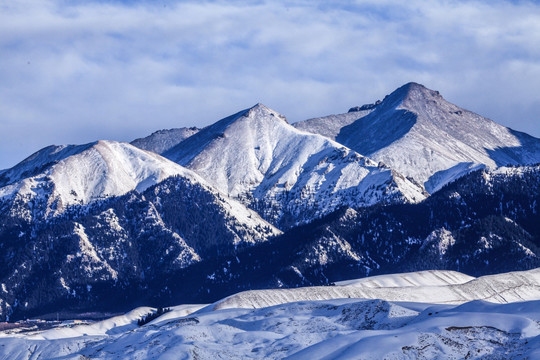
column 77, row 71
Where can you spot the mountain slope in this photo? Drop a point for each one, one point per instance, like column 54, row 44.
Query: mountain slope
column 162, row 140
column 484, row 223
column 417, row 132
column 288, row 176
column 104, row 220
column 121, row 250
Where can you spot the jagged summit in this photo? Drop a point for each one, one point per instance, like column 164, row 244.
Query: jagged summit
column 407, row 92
column 260, row 112
column 365, row 107
column 413, row 89
column 331, row 125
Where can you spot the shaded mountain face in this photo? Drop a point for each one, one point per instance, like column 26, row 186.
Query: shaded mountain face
column 421, row 135
column 110, row 250
column 288, row 176
column 484, row 223
column 163, row 140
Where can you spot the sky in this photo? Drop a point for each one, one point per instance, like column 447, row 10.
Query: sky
column 74, row 71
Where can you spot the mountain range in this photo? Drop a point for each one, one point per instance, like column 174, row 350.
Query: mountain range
column 408, row 183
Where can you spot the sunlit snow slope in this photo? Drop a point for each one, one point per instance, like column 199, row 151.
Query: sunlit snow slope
column 74, row 175
column 287, row 175
column 434, row 287
column 81, row 174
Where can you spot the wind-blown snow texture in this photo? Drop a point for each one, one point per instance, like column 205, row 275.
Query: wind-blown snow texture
column 500, row 288
column 326, row 328
column 288, row 176
column 417, row 132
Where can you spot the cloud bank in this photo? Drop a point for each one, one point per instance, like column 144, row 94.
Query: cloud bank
column 76, row 71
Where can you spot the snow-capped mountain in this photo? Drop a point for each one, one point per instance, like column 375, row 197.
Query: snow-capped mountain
column 74, row 175
column 97, row 255
column 417, row 132
column 316, row 323
column 107, row 225
column 287, row 175
column 109, row 215
column 162, row 140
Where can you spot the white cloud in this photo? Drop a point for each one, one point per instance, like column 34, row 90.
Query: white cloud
column 75, row 72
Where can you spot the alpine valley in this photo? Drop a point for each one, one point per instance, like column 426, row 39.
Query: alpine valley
column 409, row 184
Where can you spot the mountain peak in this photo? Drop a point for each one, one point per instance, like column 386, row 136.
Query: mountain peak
column 420, row 134
column 262, row 111
column 409, row 94
column 163, row 140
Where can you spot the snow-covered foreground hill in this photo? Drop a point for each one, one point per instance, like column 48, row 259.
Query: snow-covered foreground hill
column 450, row 289
column 341, row 328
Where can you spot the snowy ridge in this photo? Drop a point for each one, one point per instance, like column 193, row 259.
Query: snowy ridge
column 103, row 169
column 287, row 175
column 162, row 140
column 417, row 132
column 330, row 125
column 40, row 160
column 502, row 288
column 349, row 328
column 419, row 278
column 95, row 171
